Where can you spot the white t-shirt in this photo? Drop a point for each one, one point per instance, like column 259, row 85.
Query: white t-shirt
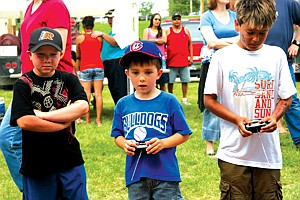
column 248, row 83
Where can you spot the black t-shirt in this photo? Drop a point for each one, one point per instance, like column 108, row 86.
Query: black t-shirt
column 47, row 152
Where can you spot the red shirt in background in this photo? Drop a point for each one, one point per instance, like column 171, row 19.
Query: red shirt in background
column 52, row 14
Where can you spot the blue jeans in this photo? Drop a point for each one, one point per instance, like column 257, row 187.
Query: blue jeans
column 154, row 189
column 11, row 146
column 292, row 116
column 210, row 126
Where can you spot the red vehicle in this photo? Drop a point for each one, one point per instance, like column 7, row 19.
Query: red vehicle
column 193, row 25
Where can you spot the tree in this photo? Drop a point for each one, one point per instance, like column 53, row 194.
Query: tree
column 183, row 6
column 146, row 8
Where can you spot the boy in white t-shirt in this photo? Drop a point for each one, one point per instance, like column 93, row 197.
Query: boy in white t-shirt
column 248, row 77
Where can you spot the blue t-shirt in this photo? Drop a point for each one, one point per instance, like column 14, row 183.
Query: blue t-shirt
column 111, row 52
column 281, row 33
column 143, row 120
column 221, row 30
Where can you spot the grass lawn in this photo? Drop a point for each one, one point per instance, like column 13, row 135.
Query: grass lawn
column 105, row 162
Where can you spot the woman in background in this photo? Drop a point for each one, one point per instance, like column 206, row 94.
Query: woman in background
column 90, row 65
column 218, row 30
column 156, row 34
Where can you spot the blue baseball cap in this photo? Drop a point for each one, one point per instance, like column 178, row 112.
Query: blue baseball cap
column 140, row 47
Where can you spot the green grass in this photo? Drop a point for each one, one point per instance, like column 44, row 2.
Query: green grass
column 105, row 162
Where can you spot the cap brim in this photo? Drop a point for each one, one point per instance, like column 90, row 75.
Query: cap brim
column 129, row 56
column 33, row 49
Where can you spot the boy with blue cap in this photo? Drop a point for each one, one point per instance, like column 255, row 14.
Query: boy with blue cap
column 148, row 125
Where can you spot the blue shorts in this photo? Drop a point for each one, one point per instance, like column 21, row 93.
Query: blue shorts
column 67, row 184
column 93, row 74
column 154, row 189
column 183, row 72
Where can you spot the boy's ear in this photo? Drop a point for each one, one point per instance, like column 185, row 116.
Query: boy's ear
column 237, row 25
column 160, row 72
column 29, row 54
column 127, row 73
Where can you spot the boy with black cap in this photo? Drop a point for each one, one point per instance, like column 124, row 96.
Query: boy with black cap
column 45, row 104
column 148, row 125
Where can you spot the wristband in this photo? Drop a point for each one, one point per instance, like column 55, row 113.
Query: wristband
column 296, row 42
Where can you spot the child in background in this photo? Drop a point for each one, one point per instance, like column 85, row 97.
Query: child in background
column 45, row 104
column 153, row 118
column 249, row 77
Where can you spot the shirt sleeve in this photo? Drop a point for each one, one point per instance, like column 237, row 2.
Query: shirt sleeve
column 76, row 91
column 58, row 16
column 178, row 120
column 21, row 103
column 117, row 125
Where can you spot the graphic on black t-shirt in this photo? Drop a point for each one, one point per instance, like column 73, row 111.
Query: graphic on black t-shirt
column 49, row 95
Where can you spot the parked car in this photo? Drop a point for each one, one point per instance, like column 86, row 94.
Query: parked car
column 10, row 64
column 193, row 25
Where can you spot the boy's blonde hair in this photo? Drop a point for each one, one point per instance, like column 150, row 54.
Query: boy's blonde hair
column 256, row 13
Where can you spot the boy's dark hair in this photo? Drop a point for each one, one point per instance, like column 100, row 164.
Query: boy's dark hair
column 88, row 22
column 143, row 60
column 256, row 13
column 141, row 52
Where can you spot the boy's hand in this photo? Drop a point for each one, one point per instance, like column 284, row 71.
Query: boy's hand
column 39, row 113
column 130, row 146
column 272, row 126
column 154, row 146
column 240, row 122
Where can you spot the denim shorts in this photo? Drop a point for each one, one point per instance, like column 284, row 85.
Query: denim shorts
column 154, row 189
column 183, row 72
column 93, row 74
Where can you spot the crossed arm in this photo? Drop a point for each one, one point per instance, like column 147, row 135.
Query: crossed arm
column 53, row 120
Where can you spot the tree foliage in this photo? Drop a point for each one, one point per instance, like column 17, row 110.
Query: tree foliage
column 183, row 6
column 146, row 8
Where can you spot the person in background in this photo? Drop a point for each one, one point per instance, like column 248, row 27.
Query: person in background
column 218, row 30
column 151, row 172
column 156, row 34
column 45, row 104
column 288, row 15
column 39, row 13
column 241, row 75
column 111, row 54
column 179, row 48
column 89, row 65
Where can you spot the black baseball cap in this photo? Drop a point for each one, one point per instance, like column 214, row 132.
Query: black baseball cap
column 176, row 15
column 45, row 36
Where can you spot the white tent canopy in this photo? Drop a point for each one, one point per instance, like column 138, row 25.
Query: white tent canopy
column 78, row 8
column 126, row 10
